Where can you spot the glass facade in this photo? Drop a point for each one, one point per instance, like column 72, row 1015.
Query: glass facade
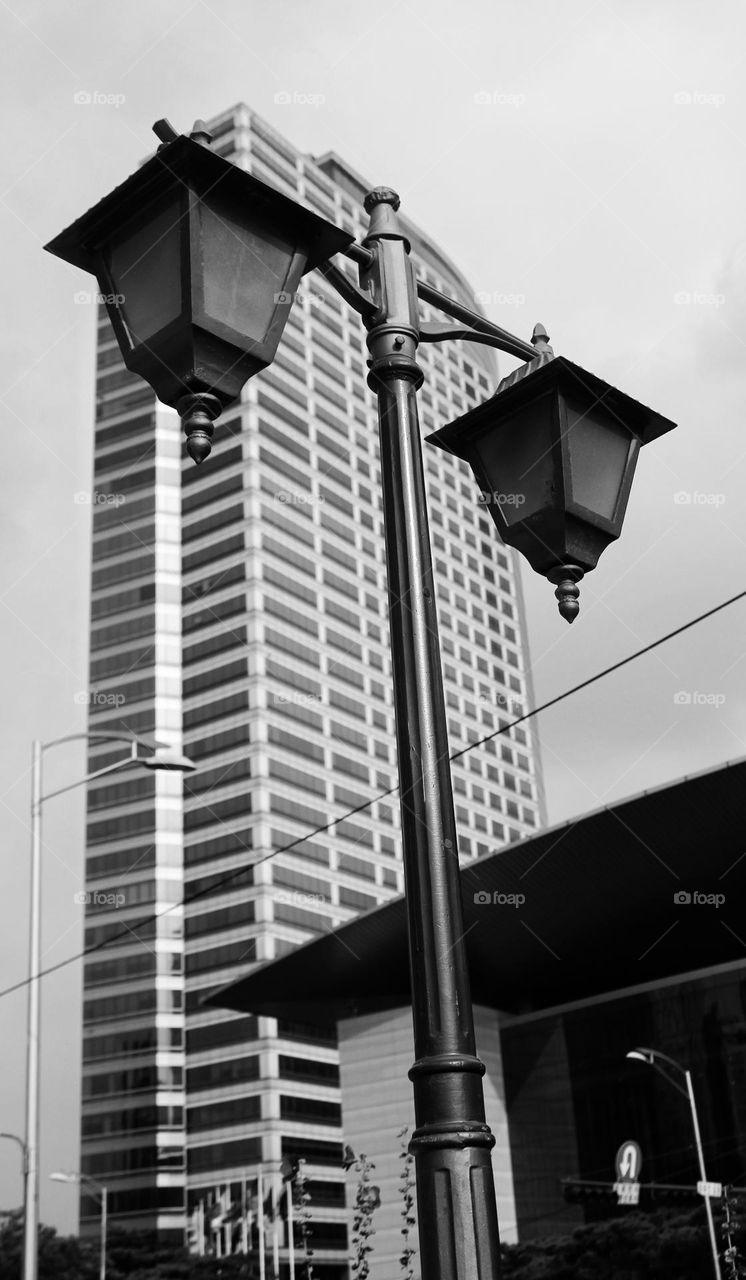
column 573, row 1098
column 271, row 565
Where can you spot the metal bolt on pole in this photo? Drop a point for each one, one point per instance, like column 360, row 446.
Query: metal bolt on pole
column 451, row 1144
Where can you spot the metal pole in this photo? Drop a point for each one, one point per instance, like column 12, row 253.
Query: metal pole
column 33, row 1034
column 457, row 1212
column 275, row 1233
column 702, row 1174
column 260, row 1212
column 291, row 1230
column 104, row 1217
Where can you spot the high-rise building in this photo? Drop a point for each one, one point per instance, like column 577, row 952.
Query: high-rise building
column 239, row 610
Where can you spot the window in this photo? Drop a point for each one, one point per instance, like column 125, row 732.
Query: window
column 310, row 1110
column 297, row 778
column 308, row 1069
column 233, row 917
column 230, row 1030
column 214, row 1074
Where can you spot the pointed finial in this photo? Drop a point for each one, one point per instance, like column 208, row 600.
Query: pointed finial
column 197, row 413
column 540, row 341
column 566, row 576
column 200, row 133
column 381, row 195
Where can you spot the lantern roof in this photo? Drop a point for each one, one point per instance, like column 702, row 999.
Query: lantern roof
column 201, row 170
column 547, row 374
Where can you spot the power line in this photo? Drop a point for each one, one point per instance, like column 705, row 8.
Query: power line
column 131, row 928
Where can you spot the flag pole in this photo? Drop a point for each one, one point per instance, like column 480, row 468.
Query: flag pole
column 260, row 1212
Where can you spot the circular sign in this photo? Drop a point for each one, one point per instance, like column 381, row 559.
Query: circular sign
column 628, row 1161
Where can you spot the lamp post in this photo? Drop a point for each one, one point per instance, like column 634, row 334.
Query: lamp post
column 85, row 1180
column 653, row 1058
column 158, row 248
column 159, row 757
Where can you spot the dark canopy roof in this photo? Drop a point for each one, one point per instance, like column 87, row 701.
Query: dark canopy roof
column 599, row 913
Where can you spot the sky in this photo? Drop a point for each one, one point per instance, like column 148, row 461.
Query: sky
column 583, row 164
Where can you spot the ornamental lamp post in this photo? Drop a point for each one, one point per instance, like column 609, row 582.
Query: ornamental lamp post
column 554, row 452
column 231, row 256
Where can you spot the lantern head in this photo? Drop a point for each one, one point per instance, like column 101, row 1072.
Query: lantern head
column 197, row 263
column 554, row 453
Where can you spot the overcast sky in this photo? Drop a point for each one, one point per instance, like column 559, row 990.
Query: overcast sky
column 583, row 164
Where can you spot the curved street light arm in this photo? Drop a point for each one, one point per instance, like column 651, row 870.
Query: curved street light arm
column 13, row 1137
column 502, row 339
column 116, row 767
column 651, row 1057
column 351, row 293
column 473, row 327
column 102, row 736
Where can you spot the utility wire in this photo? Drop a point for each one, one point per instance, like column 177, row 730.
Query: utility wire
column 130, row 929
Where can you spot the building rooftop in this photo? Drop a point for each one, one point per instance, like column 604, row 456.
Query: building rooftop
column 579, row 910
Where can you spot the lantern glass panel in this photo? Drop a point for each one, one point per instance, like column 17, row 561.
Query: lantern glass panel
column 145, row 269
column 599, row 449
column 516, row 464
column 243, row 269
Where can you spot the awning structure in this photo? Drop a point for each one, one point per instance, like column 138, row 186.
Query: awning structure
column 643, row 890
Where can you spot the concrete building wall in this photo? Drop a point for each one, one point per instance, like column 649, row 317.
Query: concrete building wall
column 375, row 1054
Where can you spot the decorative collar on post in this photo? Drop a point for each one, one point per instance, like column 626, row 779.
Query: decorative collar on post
column 382, row 205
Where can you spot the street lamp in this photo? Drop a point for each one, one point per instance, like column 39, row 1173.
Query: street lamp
column 452, row 1142
column 159, row 756
column 83, row 1178
column 554, row 453
column 653, row 1058
column 199, row 262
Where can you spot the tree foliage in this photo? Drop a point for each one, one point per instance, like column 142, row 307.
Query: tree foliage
column 640, row 1246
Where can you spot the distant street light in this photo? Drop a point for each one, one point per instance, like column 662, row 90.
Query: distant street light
column 99, row 1187
column 653, row 1058
column 160, row 756
column 197, row 263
